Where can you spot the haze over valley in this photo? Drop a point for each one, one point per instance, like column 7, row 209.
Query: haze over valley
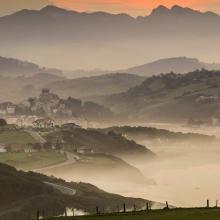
column 107, row 114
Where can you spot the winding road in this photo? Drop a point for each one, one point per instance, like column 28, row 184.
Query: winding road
column 71, row 158
column 63, row 189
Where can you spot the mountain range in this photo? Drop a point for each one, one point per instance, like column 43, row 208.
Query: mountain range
column 73, row 40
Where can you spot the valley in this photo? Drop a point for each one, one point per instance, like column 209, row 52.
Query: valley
column 106, row 115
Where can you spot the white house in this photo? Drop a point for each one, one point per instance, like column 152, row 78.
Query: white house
column 30, row 150
column 11, row 109
column 85, row 150
column 44, row 123
column 3, row 149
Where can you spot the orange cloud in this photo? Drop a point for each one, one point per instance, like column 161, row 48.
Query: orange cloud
column 135, row 7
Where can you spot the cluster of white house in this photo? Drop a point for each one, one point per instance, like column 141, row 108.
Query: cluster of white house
column 29, row 149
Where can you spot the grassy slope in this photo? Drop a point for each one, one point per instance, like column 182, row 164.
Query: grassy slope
column 15, row 137
column 170, row 96
column 32, row 161
column 178, row 214
column 103, row 143
column 28, row 192
column 101, row 166
column 100, row 159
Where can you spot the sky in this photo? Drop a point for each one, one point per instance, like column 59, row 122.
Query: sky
column 132, row 7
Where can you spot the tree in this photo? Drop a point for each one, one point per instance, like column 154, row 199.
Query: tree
column 47, row 146
column 37, row 146
column 8, row 149
column 31, row 101
column 3, row 122
column 58, row 145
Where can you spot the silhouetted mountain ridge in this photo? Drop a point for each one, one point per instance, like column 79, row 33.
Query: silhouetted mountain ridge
column 97, row 35
column 177, row 10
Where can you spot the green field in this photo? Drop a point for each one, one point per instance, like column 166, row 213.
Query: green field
column 17, row 137
column 176, row 214
column 100, row 159
column 29, row 161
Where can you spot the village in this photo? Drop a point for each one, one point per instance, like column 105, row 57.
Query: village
column 49, row 110
column 27, row 147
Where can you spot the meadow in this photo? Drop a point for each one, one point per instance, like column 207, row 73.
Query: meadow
column 30, row 161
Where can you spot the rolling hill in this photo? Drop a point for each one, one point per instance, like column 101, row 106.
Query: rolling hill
column 110, row 143
column 26, row 193
column 175, row 64
column 155, row 136
column 99, row 169
column 18, row 88
column 14, row 67
column 171, row 97
column 96, row 86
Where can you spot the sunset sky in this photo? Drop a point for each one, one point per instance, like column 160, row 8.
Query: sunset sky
column 133, row 7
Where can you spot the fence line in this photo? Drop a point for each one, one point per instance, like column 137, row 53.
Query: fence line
column 124, row 210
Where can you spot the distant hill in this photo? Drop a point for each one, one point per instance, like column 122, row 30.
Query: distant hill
column 163, row 137
column 81, row 73
column 76, row 40
column 25, row 193
column 14, row 67
column 176, row 65
column 96, row 85
column 171, row 97
column 18, row 88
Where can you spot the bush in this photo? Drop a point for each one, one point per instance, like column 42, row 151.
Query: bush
column 3, row 122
